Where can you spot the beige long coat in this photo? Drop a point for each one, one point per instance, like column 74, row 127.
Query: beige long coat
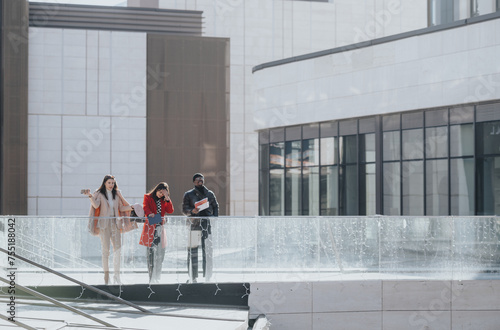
column 120, row 206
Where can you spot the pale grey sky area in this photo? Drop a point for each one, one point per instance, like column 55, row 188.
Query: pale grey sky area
column 122, row 3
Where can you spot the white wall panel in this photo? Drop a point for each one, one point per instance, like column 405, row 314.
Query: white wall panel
column 80, row 83
column 393, row 77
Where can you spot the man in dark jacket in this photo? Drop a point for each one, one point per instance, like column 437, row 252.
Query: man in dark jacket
column 201, row 203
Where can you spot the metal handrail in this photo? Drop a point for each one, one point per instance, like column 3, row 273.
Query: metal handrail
column 86, row 286
column 17, row 323
column 58, row 303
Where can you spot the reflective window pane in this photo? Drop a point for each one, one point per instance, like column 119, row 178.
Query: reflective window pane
column 413, row 188
column 310, row 152
column 277, row 155
column 462, row 186
column 489, row 186
column 264, row 192
column 293, row 192
column 391, row 146
column 348, row 149
column 436, row 187
column 413, row 144
column 367, row 197
column 293, row 153
column 348, row 190
column 276, row 192
column 328, row 151
column 490, row 135
column 367, row 148
column 436, row 142
column 392, row 189
column 310, row 189
column 329, row 190
column 482, row 7
column 461, row 140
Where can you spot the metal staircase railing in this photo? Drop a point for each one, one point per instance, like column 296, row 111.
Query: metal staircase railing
column 60, row 304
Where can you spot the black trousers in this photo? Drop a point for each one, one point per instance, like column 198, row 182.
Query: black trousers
column 193, row 257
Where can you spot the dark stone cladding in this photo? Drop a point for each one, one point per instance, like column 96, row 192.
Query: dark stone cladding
column 368, row 43
column 13, row 107
column 150, row 20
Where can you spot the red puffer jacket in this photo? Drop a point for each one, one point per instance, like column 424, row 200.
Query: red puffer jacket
column 149, row 207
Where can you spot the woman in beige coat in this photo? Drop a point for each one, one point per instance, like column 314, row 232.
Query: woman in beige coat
column 111, row 204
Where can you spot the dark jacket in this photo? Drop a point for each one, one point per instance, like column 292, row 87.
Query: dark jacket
column 194, row 195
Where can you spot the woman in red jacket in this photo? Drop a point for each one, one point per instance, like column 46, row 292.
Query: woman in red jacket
column 153, row 236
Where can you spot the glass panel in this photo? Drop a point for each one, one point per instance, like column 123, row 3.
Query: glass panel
column 264, row 156
column 441, row 12
column 328, row 151
column 482, row 7
column 392, row 189
column 489, row 186
column 436, row 142
column 310, row 153
column 348, row 190
column 413, row 144
column 391, row 146
column 436, row 187
column 367, row 148
column 329, row 190
column 293, row 192
column 310, row 188
column 490, row 133
column 276, row 192
column 462, row 186
column 277, row 155
column 258, row 249
column 367, row 196
column 413, row 188
column 263, row 192
column 461, row 140
column 348, row 149
column 293, row 153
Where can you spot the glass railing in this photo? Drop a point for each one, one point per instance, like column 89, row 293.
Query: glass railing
column 247, row 249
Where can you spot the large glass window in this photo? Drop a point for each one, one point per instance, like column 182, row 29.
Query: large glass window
column 482, row 7
column 462, row 186
column 413, row 187
column 329, row 190
column 310, row 152
column 392, row 188
column 293, row 151
column 436, row 142
column 277, row 155
column 391, row 146
column 446, row 11
column 413, row 144
column 293, row 192
column 368, row 194
column 276, row 192
column 367, row 171
column 436, row 185
column 425, row 169
column 488, row 171
column 348, row 179
column 461, row 140
column 348, row 190
column 348, row 147
column 329, row 151
column 310, row 197
column 441, row 12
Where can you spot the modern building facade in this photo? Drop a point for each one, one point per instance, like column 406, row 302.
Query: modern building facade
column 405, row 125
